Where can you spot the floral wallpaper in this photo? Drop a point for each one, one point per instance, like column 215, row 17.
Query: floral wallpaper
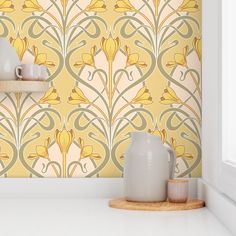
column 116, row 66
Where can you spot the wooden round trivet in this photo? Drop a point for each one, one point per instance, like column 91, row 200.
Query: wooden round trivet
column 156, row 206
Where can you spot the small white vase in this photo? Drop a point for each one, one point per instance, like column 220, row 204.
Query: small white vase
column 9, row 60
column 147, row 168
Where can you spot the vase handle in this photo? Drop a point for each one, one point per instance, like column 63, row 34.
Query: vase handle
column 172, row 162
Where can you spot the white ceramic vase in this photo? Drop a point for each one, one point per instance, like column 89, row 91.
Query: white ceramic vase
column 9, row 60
column 147, row 168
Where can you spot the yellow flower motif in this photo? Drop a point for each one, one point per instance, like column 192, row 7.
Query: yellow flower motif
column 31, row 6
column 50, row 97
column 133, row 58
column 161, row 133
column 20, row 45
column 189, row 6
column 179, row 59
column 87, row 58
column 87, row 151
column 64, row 139
column 124, row 6
column 41, row 151
column 41, row 58
column 180, row 150
column 77, row 97
column 3, row 156
column 197, row 45
column 110, row 47
column 6, row 6
column 96, row 6
column 169, row 97
column 142, row 97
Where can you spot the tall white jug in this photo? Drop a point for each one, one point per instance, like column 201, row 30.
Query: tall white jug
column 148, row 166
column 9, row 60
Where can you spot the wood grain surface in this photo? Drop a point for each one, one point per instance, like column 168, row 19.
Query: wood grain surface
column 121, row 203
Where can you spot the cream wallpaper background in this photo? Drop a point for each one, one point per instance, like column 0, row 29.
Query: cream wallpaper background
column 115, row 67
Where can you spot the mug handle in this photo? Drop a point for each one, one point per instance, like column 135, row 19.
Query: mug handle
column 172, row 162
column 18, row 72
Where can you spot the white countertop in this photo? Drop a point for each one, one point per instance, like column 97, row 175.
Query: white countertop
column 93, row 217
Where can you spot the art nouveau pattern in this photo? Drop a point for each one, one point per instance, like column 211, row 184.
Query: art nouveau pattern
column 115, row 67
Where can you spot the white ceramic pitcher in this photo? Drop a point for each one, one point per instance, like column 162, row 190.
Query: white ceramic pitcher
column 147, row 168
column 9, row 60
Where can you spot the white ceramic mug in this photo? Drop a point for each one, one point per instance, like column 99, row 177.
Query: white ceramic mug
column 28, row 72
column 43, row 74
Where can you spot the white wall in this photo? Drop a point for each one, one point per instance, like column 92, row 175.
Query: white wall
column 211, row 85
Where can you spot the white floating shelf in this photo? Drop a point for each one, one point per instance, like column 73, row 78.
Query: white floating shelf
column 23, row 86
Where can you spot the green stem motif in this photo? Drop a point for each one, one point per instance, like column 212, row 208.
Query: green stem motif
column 73, row 170
column 73, row 19
column 193, row 111
column 196, row 83
column 118, row 81
column 165, row 19
column 27, row 111
column 103, row 81
column 10, row 113
column 119, row 111
column 100, row 110
column 54, row 168
column 55, row 19
column 146, row 18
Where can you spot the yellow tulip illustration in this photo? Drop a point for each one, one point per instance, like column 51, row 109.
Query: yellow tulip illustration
column 161, row 133
column 197, row 45
column 179, row 59
column 87, row 58
column 50, row 97
column 96, row 6
column 41, row 151
column 133, row 59
column 77, row 97
column 31, row 6
column 3, row 156
column 6, row 6
column 87, row 151
column 20, row 45
column 110, row 47
column 124, row 6
column 180, row 150
column 41, row 58
column 189, row 6
column 142, row 97
column 64, row 139
column 169, row 97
